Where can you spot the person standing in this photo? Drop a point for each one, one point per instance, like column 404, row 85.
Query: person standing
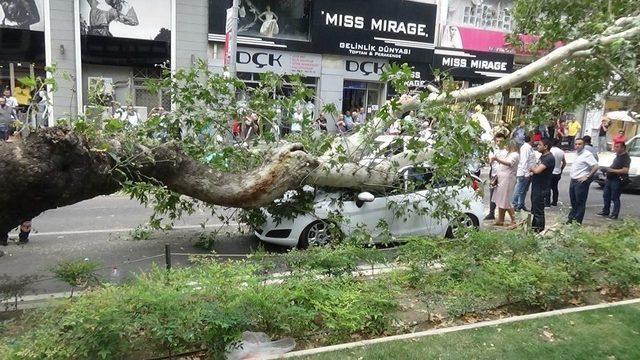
column 561, row 129
column 617, row 174
column 6, row 119
column 602, row 135
column 296, row 123
column 131, row 116
column 507, row 167
column 362, row 116
column 11, row 100
column 582, row 170
column 620, row 138
column 321, row 122
column 518, row 134
column 348, row 120
column 526, row 161
column 540, row 183
column 573, row 129
column 589, row 147
column 497, row 152
column 551, row 198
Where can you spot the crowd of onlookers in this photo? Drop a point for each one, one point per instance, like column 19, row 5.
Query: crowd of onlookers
column 515, row 168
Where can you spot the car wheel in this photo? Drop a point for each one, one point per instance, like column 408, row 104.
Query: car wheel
column 462, row 223
column 315, row 234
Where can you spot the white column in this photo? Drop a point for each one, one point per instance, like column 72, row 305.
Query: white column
column 78, row 56
column 174, row 38
column 48, row 59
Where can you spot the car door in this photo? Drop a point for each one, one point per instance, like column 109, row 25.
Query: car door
column 408, row 209
column 366, row 214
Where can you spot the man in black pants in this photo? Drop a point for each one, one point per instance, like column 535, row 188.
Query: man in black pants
column 551, row 198
column 540, row 183
column 583, row 168
column 23, row 237
column 616, row 174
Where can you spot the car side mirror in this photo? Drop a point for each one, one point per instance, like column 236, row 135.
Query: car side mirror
column 364, row 197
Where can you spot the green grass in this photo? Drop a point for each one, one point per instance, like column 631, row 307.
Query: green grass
column 608, row 334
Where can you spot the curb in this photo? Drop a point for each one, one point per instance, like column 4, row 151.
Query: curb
column 451, row 329
column 34, row 301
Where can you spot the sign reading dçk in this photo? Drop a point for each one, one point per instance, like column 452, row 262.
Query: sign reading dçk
column 382, row 28
column 467, row 64
column 279, row 62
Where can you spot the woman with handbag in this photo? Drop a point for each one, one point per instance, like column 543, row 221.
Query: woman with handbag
column 503, row 193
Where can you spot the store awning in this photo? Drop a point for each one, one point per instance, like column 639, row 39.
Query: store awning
column 488, row 40
column 626, row 116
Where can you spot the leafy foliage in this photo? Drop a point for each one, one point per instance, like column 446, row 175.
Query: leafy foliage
column 611, row 69
column 77, row 273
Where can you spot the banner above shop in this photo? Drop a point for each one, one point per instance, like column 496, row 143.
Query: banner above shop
column 22, row 14
column 468, row 64
column 381, row 29
column 459, row 37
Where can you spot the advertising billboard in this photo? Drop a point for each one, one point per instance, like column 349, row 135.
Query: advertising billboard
column 132, row 19
column 22, row 14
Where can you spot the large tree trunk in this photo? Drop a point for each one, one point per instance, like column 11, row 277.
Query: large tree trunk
column 56, row 167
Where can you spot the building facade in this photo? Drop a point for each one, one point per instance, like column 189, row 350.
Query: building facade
column 100, row 49
column 104, row 51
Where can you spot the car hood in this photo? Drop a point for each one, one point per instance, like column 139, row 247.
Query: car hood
column 606, row 159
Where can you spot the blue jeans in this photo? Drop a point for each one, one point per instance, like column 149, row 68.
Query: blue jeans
column 578, row 193
column 520, row 192
column 612, row 191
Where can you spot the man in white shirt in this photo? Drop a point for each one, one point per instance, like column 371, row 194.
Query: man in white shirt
column 523, row 177
column 298, row 118
column 131, row 116
column 552, row 196
column 582, row 171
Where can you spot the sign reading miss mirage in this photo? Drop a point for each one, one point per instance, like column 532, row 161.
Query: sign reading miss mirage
column 384, row 29
column 467, row 64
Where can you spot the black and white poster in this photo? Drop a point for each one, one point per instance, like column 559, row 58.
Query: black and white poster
column 468, row 64
column 133, row 19
column 22, row 14
column 383, row 29
column 287, row 19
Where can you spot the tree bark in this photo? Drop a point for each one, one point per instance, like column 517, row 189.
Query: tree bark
column 56, row 167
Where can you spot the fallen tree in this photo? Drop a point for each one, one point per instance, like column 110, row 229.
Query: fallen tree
column 64, row 165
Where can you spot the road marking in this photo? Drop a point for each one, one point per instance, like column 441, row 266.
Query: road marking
column 107, row 231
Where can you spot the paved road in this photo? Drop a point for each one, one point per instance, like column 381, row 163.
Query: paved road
column 98, row 229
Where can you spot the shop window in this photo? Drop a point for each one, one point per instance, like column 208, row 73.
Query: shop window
column 286, row 19
column 143, row 96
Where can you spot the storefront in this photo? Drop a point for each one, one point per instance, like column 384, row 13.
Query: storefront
column 119, row 56
column 353, row 40
column 22, row 51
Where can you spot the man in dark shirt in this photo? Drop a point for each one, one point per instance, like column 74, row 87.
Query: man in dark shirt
column 541, row 175
column 616, row 175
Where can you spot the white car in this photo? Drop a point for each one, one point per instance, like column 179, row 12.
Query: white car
column 365, row 209
column 606, row 159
